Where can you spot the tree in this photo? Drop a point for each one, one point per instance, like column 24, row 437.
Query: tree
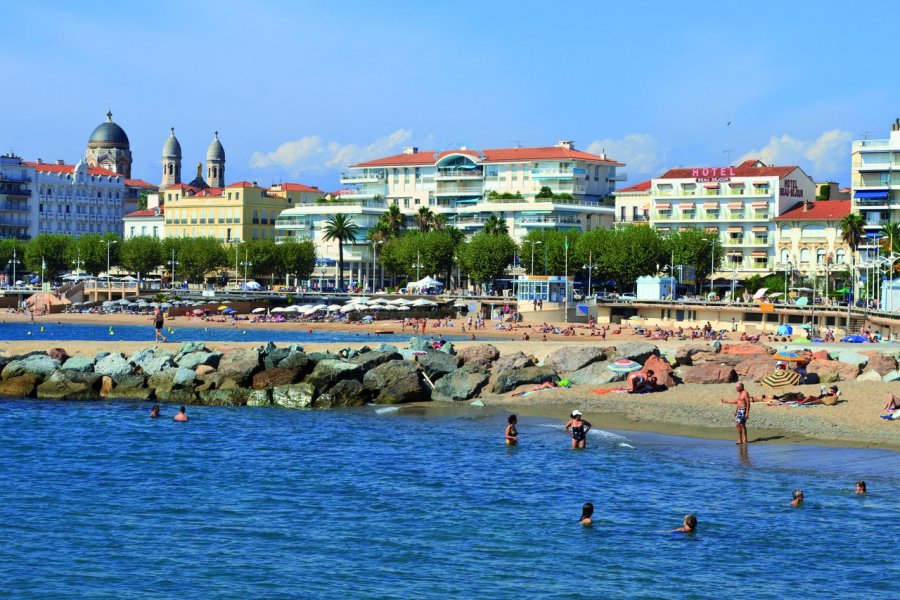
column 296, row 257
column 853, row 230
column 890, row 237
column 694, row 247
column 494, row 225
column 141, row 254
column 432, row 251
column 195, row 256
column 486, row 256
column 394, row 220
column 550, row 254
column 90, row 250
column 545, row 192
column 263, row 257
column 51, row 249
column 10, row 247
column 424, row 219
column 623, row 254
column 341, row 229
column 824, row 192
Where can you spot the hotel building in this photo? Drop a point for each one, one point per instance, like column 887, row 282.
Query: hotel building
column 808, row 237
column 633, row 203
column 737, row 203
column 875, row 185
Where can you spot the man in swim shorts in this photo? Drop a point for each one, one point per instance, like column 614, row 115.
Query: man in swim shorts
column 741, row 412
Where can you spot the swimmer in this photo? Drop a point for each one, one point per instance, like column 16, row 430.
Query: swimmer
column 690, row 524
column 587, row 512
column 798, row 498
column 154, row 412
column 512, row 434
column 180, row 416
column 861, row 487
column 578, row 429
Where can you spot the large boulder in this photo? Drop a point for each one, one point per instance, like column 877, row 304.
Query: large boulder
column 131, row 393
column 684, row 354
column 448, row 348
column 184, row 378
column 162, row 381
column 420, row 344
column 329, row 372
column 296, row 358
column 510, row 380
column 661, row 370
column 295, row 395
column 230, row 397
column 708, row 373
column 19, row 386
column 462, row 384
column 880, row 363
column 70, row 385
column 259, row 398
column 79, row 362
column 370, row 360
column 344, row 394
column 830, row 371
column 732, row 360
column 852, row 357
column 240, row 365
column 315, row 357
column 869, row 376
column 269, row 378
column 746, row 350
column 188, row 347
column 273, row 357
column 597, row 373
column 639, row 352
column 508, row 362
column 395, row 382
column 572, row 358
column 754, row 368
column 437, row 364
column 113, row 365
column 37, row 364
column 479, row 355
column 192, row 360
column 155, row 364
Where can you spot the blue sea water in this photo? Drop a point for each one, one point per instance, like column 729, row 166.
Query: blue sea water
column 53, row 331
column 99, row 501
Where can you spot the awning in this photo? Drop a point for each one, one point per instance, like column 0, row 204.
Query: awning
column 759, row 253
column 711, row 186
column 735, row 205
column 664, row 229
column 872, row 195
column 735, row 229
column 738, row 184
column 760, row 205
column 685, row 228
column 686, row 206
column 467, row 200
column 663, row 206
column 536, row 212
column 760, row 183
column 711, row 230
column 760, row 228
column 709, row 205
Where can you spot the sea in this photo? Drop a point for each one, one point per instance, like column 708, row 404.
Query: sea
column 99, row 501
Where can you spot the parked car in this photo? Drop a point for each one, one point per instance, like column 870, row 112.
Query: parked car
column 628, row 297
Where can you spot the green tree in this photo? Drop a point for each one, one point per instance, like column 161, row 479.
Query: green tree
column 694, row 247
column 495, row 225
column 890, row 237
column 296, row 257
column 423, row 219
column 195, row 257
column 486, row 256
column 10, row 247
column 853, row 230
column 623, row 254
column 52, row 249
column 90, row 250
column 263, row 257
column 341, row 229
column 545, row 192
column 141, row 255
column 550, row 254
column 824, row 192
column 432, row 251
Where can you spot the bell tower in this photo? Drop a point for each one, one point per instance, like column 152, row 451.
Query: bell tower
column 215, row 163
column 171, row 161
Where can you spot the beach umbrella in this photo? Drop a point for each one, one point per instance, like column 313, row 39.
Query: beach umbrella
column 788, row 357
column 623, row 365
column 333, row 308
column 278, row 309
column 802, row 340
column 320, row 307
column 403, row 308
column 804, row 326
column 223, row 307
column 855, row 339
column 424, row 302
column 781, row 378
column 634, row 318
column 257, row 311
column 165, row 305
column 348, row 308
column 197, row 311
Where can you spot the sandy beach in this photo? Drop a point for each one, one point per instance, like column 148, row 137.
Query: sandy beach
column 693, row 410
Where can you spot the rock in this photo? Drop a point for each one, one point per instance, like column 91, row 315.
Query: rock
column 188, row 347
column 101, row 355
column 269, row 378
column 462, row 384
column 141, row 355
column 184, row 378
column 370, row 360
column 20, row 386
column 420, row 344
column 229, row 397
column 754, row 368
column 731, row 360
column 745, row 350
column 162, row 380
column 892, row 376
column 684, row 354
column 448, row 348
column 820, row 354
column 129, row 381
column 869, row 376
column 154, row 364
column 132, row 393
column 180, row 396
column 58, row 354
column 329, row 372
column 344, row 394
column 70, row 385
column 296, row 359
column 271, row 359
column 37, row 364
column 106, row 386
column 572, row 358
column 211, row 381
column 395, row 382
column 202, row 370
column 830, row 371
column 708, row 373
column 315, row 357
column 852, row 357
column 516, row 360
column 880, row 363
column 259, row 398
column 268, row 348
column 661, row 369
column 113, row 365
column 597, row 373
column 479, row 355
column 437, row 364
column 79, row 362
column 382, row 347
column 639, row 352
column 510, row 380
column 240, row 365
column 296, row 395
column 192, row 360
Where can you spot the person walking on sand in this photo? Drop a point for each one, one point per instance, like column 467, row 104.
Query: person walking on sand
column 741, row 412
column 577, row 428
column 158, row 322
column 181, row 417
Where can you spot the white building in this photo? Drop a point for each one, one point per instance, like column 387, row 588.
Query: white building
column 875, row 186
column 633, row 203
column 150, row 221
column 15, row 197
column 738, row 203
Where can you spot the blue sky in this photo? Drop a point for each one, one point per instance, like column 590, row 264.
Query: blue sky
column 299, row 89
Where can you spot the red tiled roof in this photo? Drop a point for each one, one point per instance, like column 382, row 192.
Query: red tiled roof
column 745, row 169
column 643, row 186
column 209, row 192
column 240, row 184
column 147, row 212
column 54, row 168
column 424, row 157
column 184, row 187
column 493, row 155
column 140, row 183
column 297, row 187
column 821, row 210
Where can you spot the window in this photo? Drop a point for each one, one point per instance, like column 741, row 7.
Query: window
column 840, row 256
column 155, row 231
column 785, row 256
column 132, row 231
column 820, row 256
column 804, row 256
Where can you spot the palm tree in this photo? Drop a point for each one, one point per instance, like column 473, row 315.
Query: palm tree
column 341, row 228
column 438, row 222
column 494, row 225
column 424, row 219
column 394, row 221
column 890, row 237
column 852, row 232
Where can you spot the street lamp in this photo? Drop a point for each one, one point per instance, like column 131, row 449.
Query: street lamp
column 375, row 245
column 788, row 267
column 712, row 263
column 77, row 264
column 590, row 270
column 533, row 244
column 174, row 262
column 246, row 263
column 418, row 264
column 15, row 261
column 109, row 244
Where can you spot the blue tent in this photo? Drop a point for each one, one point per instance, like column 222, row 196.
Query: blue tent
column 785, row 330
column 855, row 339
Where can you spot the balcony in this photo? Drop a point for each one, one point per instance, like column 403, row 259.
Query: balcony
column 548, row 221
column 9, row 177
column 352, row 178
column 9, row 206
column 556, row 173
column 459, row 190
column 875, row 203
column 358, row 195
column 617, row 177
column 454, row 174
column 874, row 166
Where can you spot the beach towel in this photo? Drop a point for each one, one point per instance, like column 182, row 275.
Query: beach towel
column 620, row 390
column 529, row 392
column 894, row 416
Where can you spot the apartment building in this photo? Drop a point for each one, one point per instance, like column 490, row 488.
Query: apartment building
column 874, row 183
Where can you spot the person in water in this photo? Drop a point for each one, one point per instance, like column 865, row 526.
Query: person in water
column 798, row 498
column 861, row 487
column 577, row 428
column 587, row 511
column 741, row 412
column 690, row 524
column 154, row 412
column 181, row 416
column 512, row 434
column 158, row 322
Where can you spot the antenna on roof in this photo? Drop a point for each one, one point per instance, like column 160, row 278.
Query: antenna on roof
column 866, row 134
column 517, row 143
column 727, row 154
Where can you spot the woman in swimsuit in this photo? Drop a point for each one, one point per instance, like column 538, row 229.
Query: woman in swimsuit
column 578, row 429
column 587, row 511
column 512, row 434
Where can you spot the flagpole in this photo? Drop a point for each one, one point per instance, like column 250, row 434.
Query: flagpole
column 566, row 297
column 43, row 299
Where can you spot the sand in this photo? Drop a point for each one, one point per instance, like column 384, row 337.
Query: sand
column 692, row 410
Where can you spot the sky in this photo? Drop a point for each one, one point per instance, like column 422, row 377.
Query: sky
column 298, row 90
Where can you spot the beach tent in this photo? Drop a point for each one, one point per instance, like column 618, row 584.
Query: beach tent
column 426, row 282
column 855, row 339
column 784, row 330
column 760, row 293
column 251, row 286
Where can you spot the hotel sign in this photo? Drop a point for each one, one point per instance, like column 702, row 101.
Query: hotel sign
column 714, row 174
column 791, row 190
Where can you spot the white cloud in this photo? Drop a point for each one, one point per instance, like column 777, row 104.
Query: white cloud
column 641, row 152
column 312, row 153
column 827, row 156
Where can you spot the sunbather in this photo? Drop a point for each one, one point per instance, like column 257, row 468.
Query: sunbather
column 893, row 403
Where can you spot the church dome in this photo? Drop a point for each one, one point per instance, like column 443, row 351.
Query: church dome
column 171, row 149
column 215, row 150
column 108, row 135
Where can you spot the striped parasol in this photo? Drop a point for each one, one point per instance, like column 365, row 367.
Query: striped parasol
column 623, row 365
column 781, row 379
